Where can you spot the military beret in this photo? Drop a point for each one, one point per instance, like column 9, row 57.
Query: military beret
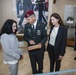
column 29, row 13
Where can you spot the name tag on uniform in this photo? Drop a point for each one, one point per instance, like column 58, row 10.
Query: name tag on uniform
column 38, row 32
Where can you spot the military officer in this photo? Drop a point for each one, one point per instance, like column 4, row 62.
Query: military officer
column 35, row 36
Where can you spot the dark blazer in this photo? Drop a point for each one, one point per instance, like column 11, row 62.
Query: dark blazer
column 61, row 40
column 39, row 35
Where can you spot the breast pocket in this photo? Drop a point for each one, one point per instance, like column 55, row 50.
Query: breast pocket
column 38, row 32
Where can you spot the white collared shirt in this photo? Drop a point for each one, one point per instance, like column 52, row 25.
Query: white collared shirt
column 53, row 35
column 35, row 24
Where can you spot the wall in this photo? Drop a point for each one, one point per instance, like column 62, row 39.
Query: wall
column 1, row 18
column 8, row 8
column 59, row 6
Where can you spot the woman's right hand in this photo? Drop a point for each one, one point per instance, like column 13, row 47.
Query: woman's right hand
column 21, row 57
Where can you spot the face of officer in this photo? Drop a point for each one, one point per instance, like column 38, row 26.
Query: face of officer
column 31, row 19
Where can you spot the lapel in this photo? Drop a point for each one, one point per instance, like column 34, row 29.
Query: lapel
column 58, row 35
column 50, row 31
column 37, row 27
column 30, row 30
column 30, row 27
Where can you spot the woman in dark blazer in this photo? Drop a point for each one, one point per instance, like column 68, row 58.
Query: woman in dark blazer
column 57, row 42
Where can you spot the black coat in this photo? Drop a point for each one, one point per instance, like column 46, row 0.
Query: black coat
column 61, row 40
column 39, row 35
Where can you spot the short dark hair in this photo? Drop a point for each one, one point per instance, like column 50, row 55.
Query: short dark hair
column 7, row 26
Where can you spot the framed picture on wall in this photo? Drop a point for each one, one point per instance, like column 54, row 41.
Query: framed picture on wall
column 40, row 8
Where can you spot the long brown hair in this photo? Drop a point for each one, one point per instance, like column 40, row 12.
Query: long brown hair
column 57, row 16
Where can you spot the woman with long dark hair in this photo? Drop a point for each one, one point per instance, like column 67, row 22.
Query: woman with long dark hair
column 11, row 52
column 57, row 42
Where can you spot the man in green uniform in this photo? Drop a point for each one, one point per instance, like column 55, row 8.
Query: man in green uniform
column 35, row 33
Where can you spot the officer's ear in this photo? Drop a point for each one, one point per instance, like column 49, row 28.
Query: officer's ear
column 34, row 17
